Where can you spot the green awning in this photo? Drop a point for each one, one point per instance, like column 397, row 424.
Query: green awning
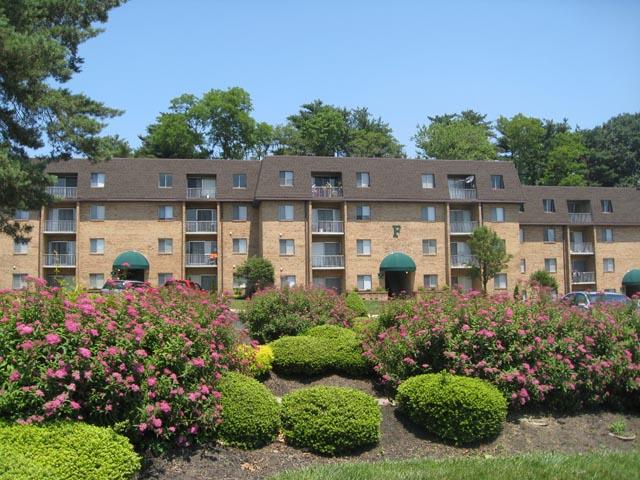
column 134, row 260
column 632, row 278
column 397, row 262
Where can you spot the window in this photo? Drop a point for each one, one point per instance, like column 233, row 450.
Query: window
column 165, row 180
column 363, row 247
column 96, row 212
column 96, row 280
column 428, row 180
column 164, row 278
column 428, row 214
column 607, row 235
column 429, row 247
column 285, row 213
column 431, row 281
column 500, row 281
column 497, row 182
column 286, row 178
column 239, row 180
column 165, row 212
column 19, row 281
column 521, row 207
column 549, row 205
column 363, row 212
column 20, row 246
column 497, row 214
column 96, row 246
column 609, row 265
column 97, row 180
column 363, row 180
column 240, row 245
column 549, row 234
column 607, row 206
column 21, row 215
column 550, row 265
column 364, row 282
column 240, row 213
column 287, row 247
column 239, row 281
column 287, row 281
column 523, row 265
column 521, row 235
column 165, row 246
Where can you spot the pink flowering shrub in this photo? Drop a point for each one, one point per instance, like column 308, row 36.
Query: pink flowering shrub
column 535, row 351
column 146, row 362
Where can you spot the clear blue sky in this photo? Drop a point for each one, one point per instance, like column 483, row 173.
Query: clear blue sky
column 404, row 60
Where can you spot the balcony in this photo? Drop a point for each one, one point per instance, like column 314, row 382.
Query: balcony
column 327, row 261
column 59, row 226
column 201, row 260
column 463, row 261
column 63, row 192
column 326, row 192
column 201, row 226
column 581, row 248
column 328, row 226
column 462, row 193
column 580, row 218
column 462, row 227
column 65, row 260
column 583, row 277
column 201, row 193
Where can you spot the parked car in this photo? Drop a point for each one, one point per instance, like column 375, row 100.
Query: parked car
column 184, row 283
column 587, row 300
column 113, row 286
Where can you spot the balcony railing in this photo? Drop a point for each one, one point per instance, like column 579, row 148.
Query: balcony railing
column 583, row 277
column 327, row 261
column 581, row 247
column 463, row 261
column 463, row 227
column 201, row 260
column 580, row 217
column 326, row 192
column 462, row 193
column 328, row 226
column 201, row 193
column 59, row 260
column 60, row 226
column 63, row 192
column 201, row 226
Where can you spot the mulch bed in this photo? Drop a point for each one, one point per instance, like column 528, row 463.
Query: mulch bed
column 400, row 440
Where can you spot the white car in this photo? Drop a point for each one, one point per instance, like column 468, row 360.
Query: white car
column 589, row 299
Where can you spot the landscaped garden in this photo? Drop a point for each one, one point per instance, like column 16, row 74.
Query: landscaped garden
column 165, row 380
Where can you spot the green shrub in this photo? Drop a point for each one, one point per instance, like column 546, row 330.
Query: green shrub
column 273, row 313
column 258, row 273
column 330, row 420
column 544, row 279
column 254, row 361
column 356, row 304
column 65, row 451
column 365, row 326
column 322, row 349
column 250, row 412
column 460, row 409
column 394, row 310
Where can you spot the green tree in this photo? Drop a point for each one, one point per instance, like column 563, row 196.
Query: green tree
column 40, row 53
column 544, row 279
column 614, row 151
column 565, row 163
column 258, row 273
column 370, row 137
column 522, row 139
column 490, row 254
column 172, row 136
column 464, row 136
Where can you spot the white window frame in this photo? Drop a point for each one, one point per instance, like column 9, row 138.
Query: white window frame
column 495, row 217
column 609, row 203
column 98, row 179
column 360, row 212
column 165, row 180
column 428, row 181
column 96, row 246
column 163, row 277
column 360, row 180
column 237, row 243
column 287, row 247
column 428, row 213
column 500, row 179
column 165, row 246
column 549, row 202
column 286, row 178
column 97, row 209
column 363, row 281
column 609, row 265
column 162, row 212
column 521, row 235
column 240, row 176
column 430, row 246
column 19, row 280
column 20, row 247
column 549, row 263
column 607, row 235
column 236, row 209
column 283, row 213
column 430, row 281
column 546, row 238
column 363, row 247
column 523, row 265
column 500, row 281
column 96, row 280
column 287, row 281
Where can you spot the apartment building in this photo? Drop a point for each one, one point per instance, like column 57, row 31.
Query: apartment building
column 344, row 223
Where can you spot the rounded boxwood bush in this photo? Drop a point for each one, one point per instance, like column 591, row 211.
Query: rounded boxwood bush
column 65, row 450
column 250, row 412
column 356, row 304
column 330, row 420
column 456, row 408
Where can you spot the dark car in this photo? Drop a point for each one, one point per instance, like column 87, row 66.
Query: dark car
column 183, row 283
column 589, row 299
column 112, row 286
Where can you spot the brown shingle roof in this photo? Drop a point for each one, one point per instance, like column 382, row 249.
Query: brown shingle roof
column 626, row 205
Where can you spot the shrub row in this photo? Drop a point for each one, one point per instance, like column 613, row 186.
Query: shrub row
column 534, row 351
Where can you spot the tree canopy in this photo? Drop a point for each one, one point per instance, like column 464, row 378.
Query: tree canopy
column 490, row 253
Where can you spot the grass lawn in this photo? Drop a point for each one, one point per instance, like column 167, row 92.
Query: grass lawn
column 614, row 466
column 238, row 303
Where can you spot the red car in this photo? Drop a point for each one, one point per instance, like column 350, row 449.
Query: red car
column 184, row 283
